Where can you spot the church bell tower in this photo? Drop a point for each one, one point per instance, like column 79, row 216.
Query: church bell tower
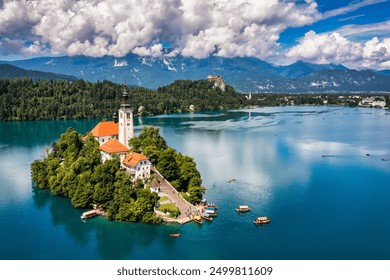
column 125, row 116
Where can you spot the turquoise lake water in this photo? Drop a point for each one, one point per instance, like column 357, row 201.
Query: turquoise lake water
column 334, row 207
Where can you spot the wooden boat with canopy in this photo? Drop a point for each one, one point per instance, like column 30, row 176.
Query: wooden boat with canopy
column 243, row 208
column 261, row 220
column 207, row 216
column 197, row 219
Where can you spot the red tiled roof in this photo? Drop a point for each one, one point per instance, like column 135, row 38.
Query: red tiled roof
column 113, row 146
column 105, row 129
column 154, row 184
column 132, row 159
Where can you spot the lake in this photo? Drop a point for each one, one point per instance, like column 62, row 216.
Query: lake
column 334, row 206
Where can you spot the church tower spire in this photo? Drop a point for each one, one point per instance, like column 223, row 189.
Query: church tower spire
column 125, row 114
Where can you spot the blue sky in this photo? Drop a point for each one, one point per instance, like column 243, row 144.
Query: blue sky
column 367, row 15
column 353, row 33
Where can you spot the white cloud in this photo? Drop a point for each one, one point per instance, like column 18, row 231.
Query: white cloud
column 376, row 53
column 350, row 8
column 153, row 51
column 35, row 48
column 192, row 28
column 9, row 46
column 325, row 48
column 352, row 30
column 334, row 48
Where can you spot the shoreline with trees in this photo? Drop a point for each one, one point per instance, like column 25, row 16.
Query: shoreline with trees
column 23, row 99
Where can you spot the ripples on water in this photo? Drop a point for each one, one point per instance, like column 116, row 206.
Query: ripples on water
column 318, row 205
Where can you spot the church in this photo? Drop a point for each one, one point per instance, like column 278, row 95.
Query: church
column 113, row 138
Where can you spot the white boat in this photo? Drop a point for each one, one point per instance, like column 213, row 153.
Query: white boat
column 261, row 220
column 243, row 208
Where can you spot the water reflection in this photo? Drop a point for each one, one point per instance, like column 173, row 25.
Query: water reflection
column 275, row 155
column 112, row 240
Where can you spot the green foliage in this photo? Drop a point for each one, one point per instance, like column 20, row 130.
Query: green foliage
column 72, row 168
column 196, row 193
column 180, row 170
column 39, row 173
column 171, row 208
column 167, row 164
column 163, row 198
column 201, row 94
column 26, row 99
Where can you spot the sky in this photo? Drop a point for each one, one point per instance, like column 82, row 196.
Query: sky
column 353, row 33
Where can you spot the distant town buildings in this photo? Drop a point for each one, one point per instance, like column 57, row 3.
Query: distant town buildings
column 373, row 101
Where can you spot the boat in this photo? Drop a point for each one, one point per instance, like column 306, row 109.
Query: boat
column 207, row 216
column 211, row 211
column 88, row 214
column 231, row 180
column 175, row 234
column 243, row 208
column 385, row 159
column 197, row 219
column 261, row 220
column 212, row 205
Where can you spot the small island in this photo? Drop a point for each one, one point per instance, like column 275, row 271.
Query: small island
column 121, row 176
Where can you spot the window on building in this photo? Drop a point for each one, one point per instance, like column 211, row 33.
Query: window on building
column 128, row 116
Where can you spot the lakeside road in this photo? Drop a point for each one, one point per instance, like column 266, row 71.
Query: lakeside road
column 185, row 208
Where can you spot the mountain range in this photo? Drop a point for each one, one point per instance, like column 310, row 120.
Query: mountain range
column 8, row 71
column 243, row 73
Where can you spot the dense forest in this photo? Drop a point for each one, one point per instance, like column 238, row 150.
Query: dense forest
column 72, row 168
column 178, row 169
column 25, row 99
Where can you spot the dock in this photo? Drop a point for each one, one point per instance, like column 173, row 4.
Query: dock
column 89, row 214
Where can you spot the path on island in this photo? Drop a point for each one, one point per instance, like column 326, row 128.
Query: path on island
column 186, row 208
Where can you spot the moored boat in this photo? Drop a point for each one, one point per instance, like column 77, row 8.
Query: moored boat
column 261, row 220
column 243, row 208
column 212, row 205
column 207, row 216
column 211, row 211
column 197, row 219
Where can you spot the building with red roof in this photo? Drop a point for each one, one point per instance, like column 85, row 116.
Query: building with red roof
column 113, row 147
column 105, row 131
column 113, row 138
column 138, row 165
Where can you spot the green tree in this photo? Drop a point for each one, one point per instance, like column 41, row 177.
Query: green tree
column 167, row 164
